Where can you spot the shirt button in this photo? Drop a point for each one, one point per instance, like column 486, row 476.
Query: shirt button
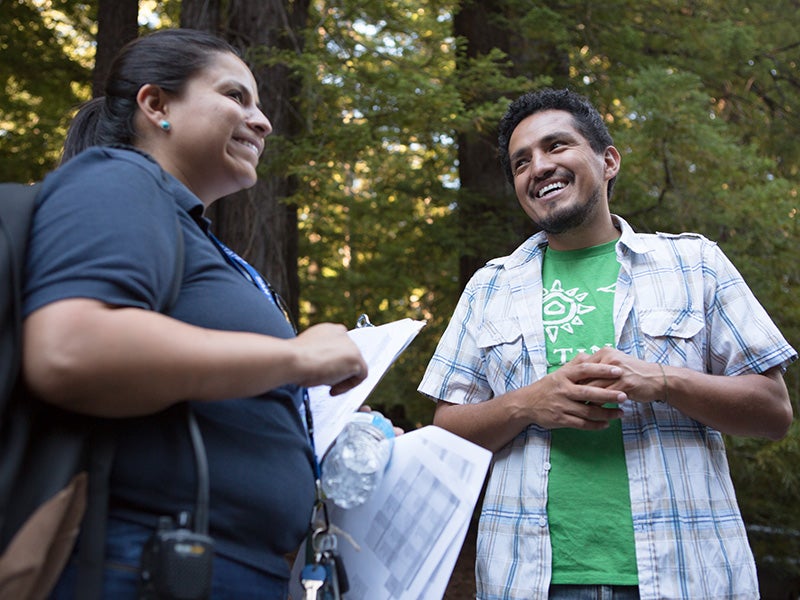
column 542, row 521
column 547, row 466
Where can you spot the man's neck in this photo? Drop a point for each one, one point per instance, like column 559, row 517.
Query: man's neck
column 584, row 237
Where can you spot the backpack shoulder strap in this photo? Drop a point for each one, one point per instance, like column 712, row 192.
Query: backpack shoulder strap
column 17, row 201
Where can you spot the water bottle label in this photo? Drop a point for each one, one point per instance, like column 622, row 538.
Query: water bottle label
column 375, row 419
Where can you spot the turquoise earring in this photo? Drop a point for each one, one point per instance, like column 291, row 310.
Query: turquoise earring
column 165, row 125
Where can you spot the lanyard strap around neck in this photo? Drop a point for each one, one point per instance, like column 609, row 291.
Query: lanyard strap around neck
column 247, row 271
column 244, row 268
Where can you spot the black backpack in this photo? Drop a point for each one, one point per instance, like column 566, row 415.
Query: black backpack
column 54, row 465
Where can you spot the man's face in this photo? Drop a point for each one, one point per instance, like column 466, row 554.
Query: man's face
column 560, row 181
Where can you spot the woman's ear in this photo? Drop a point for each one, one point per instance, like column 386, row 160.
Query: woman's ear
column 152, row 101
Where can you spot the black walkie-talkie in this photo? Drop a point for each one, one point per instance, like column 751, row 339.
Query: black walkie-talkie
column 176, row 561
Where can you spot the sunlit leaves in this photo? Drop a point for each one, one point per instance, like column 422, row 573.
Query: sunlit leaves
column 701, row 98
column 44, row 74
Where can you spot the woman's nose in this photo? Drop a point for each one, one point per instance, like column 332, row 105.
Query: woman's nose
column 260, row 122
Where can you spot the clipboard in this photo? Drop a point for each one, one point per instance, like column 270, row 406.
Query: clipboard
column 380, row 345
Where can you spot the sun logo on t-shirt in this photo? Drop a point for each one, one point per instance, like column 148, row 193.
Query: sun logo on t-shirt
column 562, row 309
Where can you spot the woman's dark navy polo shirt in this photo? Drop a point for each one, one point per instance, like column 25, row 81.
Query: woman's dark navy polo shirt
column 105, row 228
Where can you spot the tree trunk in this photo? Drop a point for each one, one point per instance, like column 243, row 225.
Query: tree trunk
column 491, row 221
column 258, row 223
column 117, row 24
column 201, row 14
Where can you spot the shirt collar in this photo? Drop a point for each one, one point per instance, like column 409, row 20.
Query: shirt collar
column 533, row 247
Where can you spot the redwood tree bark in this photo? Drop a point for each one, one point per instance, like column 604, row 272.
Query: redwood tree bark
column 491, row 221
column 201, row 14
column 117, row 24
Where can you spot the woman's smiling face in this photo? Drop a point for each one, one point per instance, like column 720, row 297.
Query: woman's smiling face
column 217, row 130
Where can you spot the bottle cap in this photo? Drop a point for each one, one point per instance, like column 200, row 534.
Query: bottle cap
column 375, row 419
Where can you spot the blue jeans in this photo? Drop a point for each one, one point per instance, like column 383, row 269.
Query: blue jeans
column 594, row 592
column 231, row 580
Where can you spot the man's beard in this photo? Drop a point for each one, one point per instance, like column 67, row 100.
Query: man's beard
column 570, row 217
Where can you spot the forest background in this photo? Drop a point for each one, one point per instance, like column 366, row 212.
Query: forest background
column 380, row 191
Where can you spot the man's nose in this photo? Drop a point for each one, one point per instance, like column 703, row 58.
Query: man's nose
column 541, row 164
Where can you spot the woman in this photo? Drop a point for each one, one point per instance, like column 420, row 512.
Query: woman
column 179, row 126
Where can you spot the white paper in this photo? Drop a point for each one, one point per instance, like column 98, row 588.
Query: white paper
column 380, row 346
column 411, row 530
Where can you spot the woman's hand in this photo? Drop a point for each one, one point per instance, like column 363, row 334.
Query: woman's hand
column 330, row 357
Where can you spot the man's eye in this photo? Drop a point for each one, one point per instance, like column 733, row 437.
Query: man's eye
column 236, row 95
column 520, row 165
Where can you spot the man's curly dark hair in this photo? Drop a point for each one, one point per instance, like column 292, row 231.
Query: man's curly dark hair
column 587, row 121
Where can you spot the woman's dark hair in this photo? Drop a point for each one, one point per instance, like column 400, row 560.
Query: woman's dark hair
column 167, row 58
column 587, row 121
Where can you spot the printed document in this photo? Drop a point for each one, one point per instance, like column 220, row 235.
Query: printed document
column 403, row 543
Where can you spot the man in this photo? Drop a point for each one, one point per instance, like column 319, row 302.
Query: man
column 602, row 366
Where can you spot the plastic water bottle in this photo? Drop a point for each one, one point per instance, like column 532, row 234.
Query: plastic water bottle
column 355, row 463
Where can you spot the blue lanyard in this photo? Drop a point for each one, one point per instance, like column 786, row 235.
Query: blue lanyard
column 245, row 269
column 249, row 273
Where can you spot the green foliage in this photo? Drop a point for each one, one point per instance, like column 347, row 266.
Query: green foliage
column 45, row 72
column 701, row 98
column 375, row 172
column 767, row 480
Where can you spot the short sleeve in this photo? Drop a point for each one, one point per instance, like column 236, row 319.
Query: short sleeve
column 105, row 228
column 742, row 337
column 456, row 371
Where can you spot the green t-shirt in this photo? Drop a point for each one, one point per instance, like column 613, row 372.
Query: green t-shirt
column 589, row 506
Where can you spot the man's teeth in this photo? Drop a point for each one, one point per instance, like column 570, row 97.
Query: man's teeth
column 550, row 188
